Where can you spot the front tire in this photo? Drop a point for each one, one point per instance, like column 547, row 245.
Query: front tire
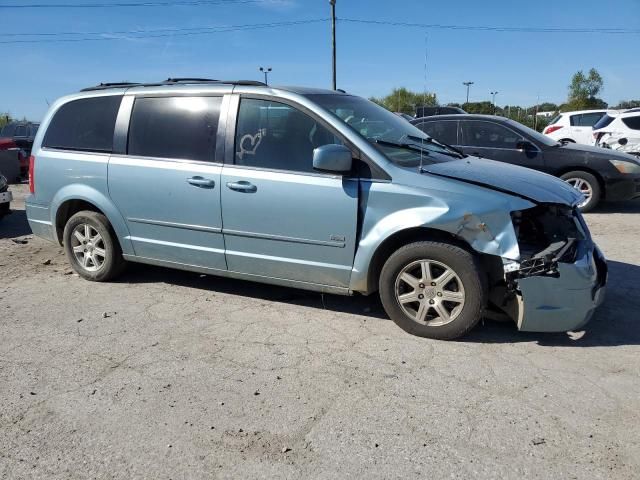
column 92, row 247
column 433, row 289
column 588, row 185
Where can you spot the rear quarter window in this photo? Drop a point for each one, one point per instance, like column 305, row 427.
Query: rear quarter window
column 632, row 122
column 86, row 124
column 603, row 122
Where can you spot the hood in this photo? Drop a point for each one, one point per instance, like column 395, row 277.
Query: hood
column 523, row 182
column 600, row 152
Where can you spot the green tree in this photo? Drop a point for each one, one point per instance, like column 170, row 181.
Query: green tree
column 5, row 118
column 625, row 104
column 584, row 90
column 485, row 108
column 405, row 101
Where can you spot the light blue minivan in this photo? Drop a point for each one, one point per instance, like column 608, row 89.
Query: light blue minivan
column 311, row 189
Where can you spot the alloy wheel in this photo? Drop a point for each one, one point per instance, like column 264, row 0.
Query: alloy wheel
column 430, row 292
column 88, row 247
column 583, row 187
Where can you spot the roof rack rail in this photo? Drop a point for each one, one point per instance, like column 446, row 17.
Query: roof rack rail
column 175, row 81
column 209, row 80
column 103, row 86
column 189, row 80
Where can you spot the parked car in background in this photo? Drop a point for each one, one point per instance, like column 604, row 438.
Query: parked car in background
column 619, row 132
column 10, row 152
column 599, row 174
column 5, row 197
column 575, row 127
column 314, row 189
column 407, row 117
column 438, row 110
column 22, row 133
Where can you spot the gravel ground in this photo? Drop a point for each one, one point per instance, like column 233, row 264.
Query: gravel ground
column 168, row 374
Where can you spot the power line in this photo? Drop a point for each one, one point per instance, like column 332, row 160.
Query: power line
column 170, row 32
column 493, row 28
column 165, row 3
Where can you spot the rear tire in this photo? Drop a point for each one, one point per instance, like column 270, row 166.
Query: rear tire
column 92, row 247
column 588, row 185
column 422, row 300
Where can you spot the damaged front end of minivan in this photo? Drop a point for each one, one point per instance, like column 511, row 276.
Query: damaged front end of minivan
column 560, row 277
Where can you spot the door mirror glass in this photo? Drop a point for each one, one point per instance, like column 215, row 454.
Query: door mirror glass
column 332, row 158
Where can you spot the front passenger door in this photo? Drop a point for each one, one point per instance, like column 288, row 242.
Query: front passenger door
column 281, row 218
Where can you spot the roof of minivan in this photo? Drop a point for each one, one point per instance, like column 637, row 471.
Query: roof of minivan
column 210, row 86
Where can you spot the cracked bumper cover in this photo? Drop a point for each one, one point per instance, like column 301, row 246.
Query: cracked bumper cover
column 565, row 301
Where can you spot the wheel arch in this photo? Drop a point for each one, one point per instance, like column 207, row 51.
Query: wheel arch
column 591, row 171
column 75, row 198
column 404, row 237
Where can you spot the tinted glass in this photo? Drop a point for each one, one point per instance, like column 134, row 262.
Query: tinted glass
column 274, row 135
column 21, row 131
column 175, row 127
column 632, row 122
column 488, row 135
column 603, row 122
column 7, row 130
column 445, row 131
column 555, row 119
column 86, row 124
column 585, row 119
column 380, row 127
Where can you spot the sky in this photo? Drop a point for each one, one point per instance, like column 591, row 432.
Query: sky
column 372, row 59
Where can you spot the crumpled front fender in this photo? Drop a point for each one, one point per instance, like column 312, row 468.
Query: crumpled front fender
column 480, row 217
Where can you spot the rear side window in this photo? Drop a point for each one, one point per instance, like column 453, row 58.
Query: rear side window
column 7, row 130
column 175, row 127
column 632, row 122
column 445, row 131
column 86, row 124
column 488, row 135
column 603, row 122
column 585, row 119
column 555, row 119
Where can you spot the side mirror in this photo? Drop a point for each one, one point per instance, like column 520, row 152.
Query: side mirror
column 525, row 146
column 623, row 141
column 332, row 158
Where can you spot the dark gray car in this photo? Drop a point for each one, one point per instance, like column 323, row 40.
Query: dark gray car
column 598, row 173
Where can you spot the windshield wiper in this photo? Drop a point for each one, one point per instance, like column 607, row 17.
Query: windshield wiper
column 454, row 152
column 408, row 146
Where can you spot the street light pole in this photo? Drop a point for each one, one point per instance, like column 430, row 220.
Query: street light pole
column 333, row 42
column 493, row 100
column 266, row 71
column 467, row 84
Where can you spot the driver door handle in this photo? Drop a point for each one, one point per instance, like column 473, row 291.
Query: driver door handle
column 242, row 186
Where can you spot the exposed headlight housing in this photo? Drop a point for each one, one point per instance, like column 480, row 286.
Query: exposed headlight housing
column 624, row 166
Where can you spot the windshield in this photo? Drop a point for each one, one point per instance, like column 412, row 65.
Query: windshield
column 397, row 139
column 537, row 136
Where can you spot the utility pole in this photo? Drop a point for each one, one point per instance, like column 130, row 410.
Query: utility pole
column 333, row 42
column 266, row 71
column 467, row 84
column 493, row 100
column 535, row 120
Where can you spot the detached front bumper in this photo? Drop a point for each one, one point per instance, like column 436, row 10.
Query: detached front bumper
column 565, row 301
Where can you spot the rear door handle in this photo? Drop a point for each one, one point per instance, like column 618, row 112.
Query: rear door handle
column 201, row 182
column 242, row 186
